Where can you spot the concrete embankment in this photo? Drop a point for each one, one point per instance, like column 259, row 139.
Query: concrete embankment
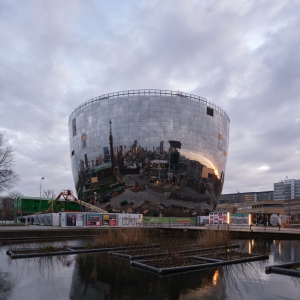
column 38, row 233
column 28, row 234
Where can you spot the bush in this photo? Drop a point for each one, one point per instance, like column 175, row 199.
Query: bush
column 211, row 238
column 121, row 237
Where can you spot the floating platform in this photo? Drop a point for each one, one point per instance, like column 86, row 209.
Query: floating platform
column 291, row 269
column 129, row 254
column 165, row 263
column 29, row 253
column 194, row 263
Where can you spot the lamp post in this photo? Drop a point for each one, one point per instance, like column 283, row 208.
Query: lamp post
column 41, row 193
column 283, row 193
column 289, row 211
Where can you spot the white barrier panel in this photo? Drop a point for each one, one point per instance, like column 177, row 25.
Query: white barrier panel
column 130, row 220
column 55, row 220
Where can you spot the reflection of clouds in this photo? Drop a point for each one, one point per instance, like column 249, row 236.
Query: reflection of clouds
column 38, row 278
column 296, row 281
column 200, row 158
column 238, row 279
column 6, row 285
column 49, row 266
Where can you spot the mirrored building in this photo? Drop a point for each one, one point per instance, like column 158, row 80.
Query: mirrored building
column 165, row 136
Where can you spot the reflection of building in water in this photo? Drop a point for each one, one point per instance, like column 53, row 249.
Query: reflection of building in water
column 96, row 275
column 178, row 138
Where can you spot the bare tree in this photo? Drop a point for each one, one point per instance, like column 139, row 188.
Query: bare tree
column 14, row 194
column 8, row 177
column 49, row 194
column 7, row 212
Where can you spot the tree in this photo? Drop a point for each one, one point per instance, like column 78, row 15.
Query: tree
column 14, row 194
column 234, row 209
column 49, row 194
column 8, row 177
column 7, row 212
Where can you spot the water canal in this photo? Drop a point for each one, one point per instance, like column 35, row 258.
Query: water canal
column 99, row 276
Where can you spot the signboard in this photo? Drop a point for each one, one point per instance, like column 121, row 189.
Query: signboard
column 265, row 219
column 93, row 220
column 71, row 219
column 130, row 220
column 74, row 219
column 216, row 218
column 109, row 219
column 112, row 222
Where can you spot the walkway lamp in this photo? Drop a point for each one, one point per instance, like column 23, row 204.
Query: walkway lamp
column 283, row 193
column 41, row 193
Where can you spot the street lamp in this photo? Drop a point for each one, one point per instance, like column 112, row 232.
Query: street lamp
column 41, row 193
column 283, row 193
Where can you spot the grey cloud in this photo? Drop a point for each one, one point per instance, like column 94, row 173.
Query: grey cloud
column 242, row 56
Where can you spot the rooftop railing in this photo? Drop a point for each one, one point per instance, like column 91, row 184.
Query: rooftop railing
column 165, row 93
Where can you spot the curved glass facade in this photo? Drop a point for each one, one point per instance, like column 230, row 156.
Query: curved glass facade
column 167, row 136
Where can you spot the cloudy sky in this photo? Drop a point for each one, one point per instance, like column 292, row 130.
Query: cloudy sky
column 241, row 55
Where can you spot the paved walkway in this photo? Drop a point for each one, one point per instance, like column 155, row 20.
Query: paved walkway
column 241, row 228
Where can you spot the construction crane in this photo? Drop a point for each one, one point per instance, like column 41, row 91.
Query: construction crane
column 237, row 191
column 68, row 196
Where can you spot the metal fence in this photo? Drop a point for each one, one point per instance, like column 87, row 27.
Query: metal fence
column 152, row 92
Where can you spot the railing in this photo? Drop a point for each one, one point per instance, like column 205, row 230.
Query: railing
column 6, row 222
column 231, row 227
column 125, row 94
column 167, row 225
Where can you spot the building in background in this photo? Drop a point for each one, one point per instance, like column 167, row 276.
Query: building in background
column 287, row 189
column 24, row 206
column 124, row 132
column 241, row 198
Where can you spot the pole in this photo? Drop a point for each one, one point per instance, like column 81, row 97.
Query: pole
column 283, row 193
column 80, row 195
column 41, row 193
column 290, row 212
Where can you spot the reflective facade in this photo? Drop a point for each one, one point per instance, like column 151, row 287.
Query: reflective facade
column 165, row 135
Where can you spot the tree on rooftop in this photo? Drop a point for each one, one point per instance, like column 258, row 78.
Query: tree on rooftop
column 49, row 194
column 8, row 177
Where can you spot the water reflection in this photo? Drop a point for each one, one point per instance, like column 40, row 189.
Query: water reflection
column 98, row 276
column 95, row 274
column 49, row 266
column 6, row 285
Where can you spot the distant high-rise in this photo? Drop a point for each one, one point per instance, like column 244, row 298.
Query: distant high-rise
column 246, row 197
column 287, row 189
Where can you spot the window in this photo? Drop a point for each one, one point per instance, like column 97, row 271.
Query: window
column 83, row 139
column 74, row 126
column 210, row 111
column 86, row 161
